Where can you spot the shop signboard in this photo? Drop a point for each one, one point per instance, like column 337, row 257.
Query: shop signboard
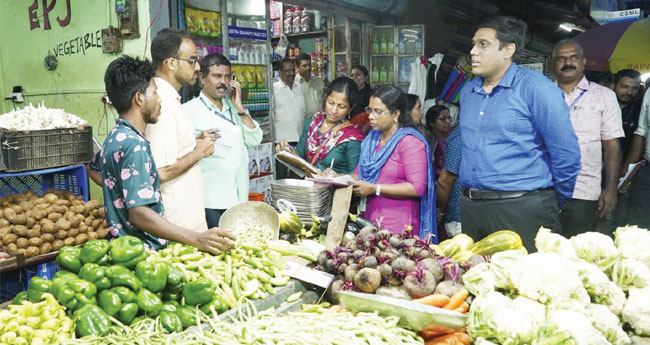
column 247, row 33
column 619, row 16
column 537, row 66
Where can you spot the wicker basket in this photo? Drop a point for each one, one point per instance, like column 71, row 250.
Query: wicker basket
column 30, row 150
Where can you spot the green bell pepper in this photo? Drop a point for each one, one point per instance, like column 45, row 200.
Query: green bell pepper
column 127, row 313
column 219, row 306
column 125, row 294
column 187, row 314
column 138, row 319
column 62, row 273
column 110, row 302
column 127, row 251
column 95, row 274
column 149, row 302
column 59, row 282
column 37, row 287
column 153, row 275
column 68, row 258
column 74, row 293
column 122, row 276
column 95, row 251
column 198, row 292
column 171, row 296
column 171, row 321
column 174, row 276
column 91, row 320
column 170, row 305
column 19, row 298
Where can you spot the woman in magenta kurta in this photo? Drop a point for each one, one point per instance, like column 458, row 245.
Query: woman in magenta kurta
column 395, row 172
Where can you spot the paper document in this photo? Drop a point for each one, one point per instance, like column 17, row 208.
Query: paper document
column 342, row 181
column 629, row 171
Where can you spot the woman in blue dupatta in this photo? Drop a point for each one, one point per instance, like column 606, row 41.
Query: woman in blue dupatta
column 395, row 173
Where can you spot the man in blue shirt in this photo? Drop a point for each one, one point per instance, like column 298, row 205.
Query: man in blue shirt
column 520, row 154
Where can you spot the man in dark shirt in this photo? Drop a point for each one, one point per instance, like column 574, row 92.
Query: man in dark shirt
column 626, row 86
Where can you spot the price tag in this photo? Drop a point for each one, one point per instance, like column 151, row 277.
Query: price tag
column 309, row 275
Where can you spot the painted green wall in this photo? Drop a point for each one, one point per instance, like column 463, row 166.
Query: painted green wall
column 77, row 84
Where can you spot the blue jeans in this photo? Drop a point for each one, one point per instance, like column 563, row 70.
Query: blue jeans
column 212, row 216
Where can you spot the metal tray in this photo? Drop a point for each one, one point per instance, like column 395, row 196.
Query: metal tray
column 412, row 315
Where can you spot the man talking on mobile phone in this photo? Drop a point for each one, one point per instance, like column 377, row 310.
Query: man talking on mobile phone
column 225, row 172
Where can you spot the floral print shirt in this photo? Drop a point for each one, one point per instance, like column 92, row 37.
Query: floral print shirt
column 130, row 179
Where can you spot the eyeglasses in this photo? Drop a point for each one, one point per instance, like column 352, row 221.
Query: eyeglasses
column 376, row 113
column 192, row 60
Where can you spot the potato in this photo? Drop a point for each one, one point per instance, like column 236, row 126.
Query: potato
column 30, row 222
column 10, row 214
column 31, row 251
column 83, row 228
column 62, row 224
column 19, row 219
column 36, row 227
column 78, row 209
column 101, row 212
column 9, row 238
column 49, row 209
column 21, row 251
column 73, row 232
column 50, row 198
column 26, row 205
column 45, row 248
column 96, row 223
column 61, row 234
column 12, row 248
column 77, row 203
column 38, row 201
column 2, row 213
column 17, row 209
column 5, row 230
column 48, row 227
column 81, row 217
column 20, row 230
column 74, row 222
column 38, row 214
column 35, row 241
column 92, row 204
column 68, row 215
column 22, row 242
column 101, row 233
column 57, row 244
column 47, row 237
column 89, row 220
column 62, row 202
column 69, row 241
column 33, row 233
column 81, row 239
column 4, row 222
column 60, row 209
column 93, row 235
column 54, row 216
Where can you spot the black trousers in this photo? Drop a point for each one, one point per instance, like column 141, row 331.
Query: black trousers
column 523, row 215
column 578, row 216
column 640, row 199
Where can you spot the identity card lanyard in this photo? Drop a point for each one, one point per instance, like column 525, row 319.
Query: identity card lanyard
column 575, row 101
column 216, row 112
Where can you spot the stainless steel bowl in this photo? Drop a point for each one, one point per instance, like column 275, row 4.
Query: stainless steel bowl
column 254, row 212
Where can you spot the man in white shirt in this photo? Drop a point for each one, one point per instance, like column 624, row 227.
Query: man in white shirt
column 312, row 86
column 225, row 172
column 174, row 147
column 288, row 105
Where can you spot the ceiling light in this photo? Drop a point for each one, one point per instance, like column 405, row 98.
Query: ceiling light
column 565, row 27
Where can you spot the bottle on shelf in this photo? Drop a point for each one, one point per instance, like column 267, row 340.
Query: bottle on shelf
column 375, row 73
column 259, row 77
column 402, row 77
column 375, row 45
column 288, row 21
column 382, row 74
column 390, row 46
column 241, row 78
column 418, row 44
column 389, row 74
column 297, row 16
column 250, row 78
column 402, row 43
column 382, row 45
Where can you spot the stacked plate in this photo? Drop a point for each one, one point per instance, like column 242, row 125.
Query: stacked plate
column 308, row 197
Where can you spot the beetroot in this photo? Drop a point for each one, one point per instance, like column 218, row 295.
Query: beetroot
column 369, row 261
column 367, row 280
column 385, row 270
column 420, row 283
column 333, row 291
column 351, row 272
column 434, row 267
column 403, row 265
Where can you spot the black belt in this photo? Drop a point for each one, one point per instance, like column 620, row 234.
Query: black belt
column 484, row 194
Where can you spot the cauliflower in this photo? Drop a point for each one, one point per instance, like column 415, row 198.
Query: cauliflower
column 548, row 242
column 569, row 327
column 595, row 248
column 636, row 340
column 502, row 320
column 479, row 280
column 637, row 310
column 629, row 273
column 608, row 324
column 483, row 341
column 633, row 243
column 547, row 276
column 37, row 118
column 600, row 289
column 502, row 263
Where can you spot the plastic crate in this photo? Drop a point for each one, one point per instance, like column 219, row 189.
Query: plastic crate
column 72, row 178
column 13, row 282
column 29, row 150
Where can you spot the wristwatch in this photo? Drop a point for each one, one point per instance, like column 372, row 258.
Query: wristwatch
column 378, row 190
column 245, row 112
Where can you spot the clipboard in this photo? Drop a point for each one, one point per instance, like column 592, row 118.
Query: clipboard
column 295, row 162
column 626, row 181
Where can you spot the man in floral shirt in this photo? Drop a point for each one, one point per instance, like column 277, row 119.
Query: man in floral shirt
column 129, row 177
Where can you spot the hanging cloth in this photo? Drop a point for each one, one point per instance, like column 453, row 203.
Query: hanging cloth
column 418, row 84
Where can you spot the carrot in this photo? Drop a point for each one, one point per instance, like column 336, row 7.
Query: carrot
column 456, row 299
column 434, row 300
column 463, row 308
column 457, row 338
column 433, row 329
column 335, row 308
